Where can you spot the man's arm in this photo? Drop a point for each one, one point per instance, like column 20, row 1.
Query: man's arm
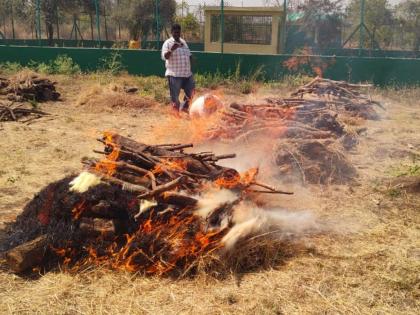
column 166, row 52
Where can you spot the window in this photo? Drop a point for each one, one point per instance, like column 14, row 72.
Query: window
column 242, row 29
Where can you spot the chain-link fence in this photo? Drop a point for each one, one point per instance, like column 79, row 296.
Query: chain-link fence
column 294, row 26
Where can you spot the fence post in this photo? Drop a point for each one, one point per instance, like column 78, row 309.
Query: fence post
column 38, row 21
column 12, row 19
column 222, row 25
column 98, row 26
column 362, row 26
column 284, row 31
column 157, row 24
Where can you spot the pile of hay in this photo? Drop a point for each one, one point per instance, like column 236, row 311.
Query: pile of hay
column 113, row 96
column 313, row 161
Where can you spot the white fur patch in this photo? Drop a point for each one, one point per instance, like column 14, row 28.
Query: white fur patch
column 84, row 181
column 205, row 105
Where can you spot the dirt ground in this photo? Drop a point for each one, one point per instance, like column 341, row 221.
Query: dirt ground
column 366, row 261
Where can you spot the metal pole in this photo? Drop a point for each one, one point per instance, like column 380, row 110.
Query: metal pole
column 12, row 19
column 57, row 21
column 284, row 31
column 362, row 26
column 98, row 26
column 38, row 21
column 105, row 24
column 157, row 23
column 222, row 25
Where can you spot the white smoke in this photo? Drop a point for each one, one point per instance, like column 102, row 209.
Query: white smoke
column 212, row 199
column 250, row 220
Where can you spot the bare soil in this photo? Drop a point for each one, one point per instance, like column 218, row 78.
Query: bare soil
column 366, row 261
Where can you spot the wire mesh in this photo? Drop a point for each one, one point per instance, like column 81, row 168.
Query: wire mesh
column 316, row 26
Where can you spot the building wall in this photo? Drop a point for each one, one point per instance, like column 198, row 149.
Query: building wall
column 273, row 48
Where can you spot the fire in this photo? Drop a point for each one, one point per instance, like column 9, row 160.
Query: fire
column 78, row 210
column 235, row 180
column 172, row 164
column 159, row 246
column 110, row 228
column 108, row 166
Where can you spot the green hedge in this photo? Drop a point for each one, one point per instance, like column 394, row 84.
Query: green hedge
column 381, row 71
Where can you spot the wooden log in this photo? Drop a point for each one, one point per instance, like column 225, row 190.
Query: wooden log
column 180, row 147
column 125, row 185
column 96, row 226
column 177, row 199
column 192, row 165
column 162, row 188
column 215, row 158
column 27, row 255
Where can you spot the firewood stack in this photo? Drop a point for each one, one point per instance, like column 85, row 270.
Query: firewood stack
column 139, row 211
column 307, row 123
column 29, row 88
column 312, row 117
column 15, row 112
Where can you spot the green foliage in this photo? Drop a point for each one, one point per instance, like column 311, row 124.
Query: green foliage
column 190, row 26
column 409, row 170
column 138, row 16
column 10, row 67
column 378, row 19
column 243, row 83
column 412, row 169
column 210, row 80
column 63, row 64
column 112, row 64
column 155, row 87
column 322, row 21
column 408, row 16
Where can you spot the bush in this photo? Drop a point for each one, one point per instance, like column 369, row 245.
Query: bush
column 61, row 65
column 112, row 64
column 65, row 65
column 10, row 67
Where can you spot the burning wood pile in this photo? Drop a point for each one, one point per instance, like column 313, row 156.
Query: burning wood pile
column 30, row 87
column 15, row 112
column 308, row 125
column 142, row 208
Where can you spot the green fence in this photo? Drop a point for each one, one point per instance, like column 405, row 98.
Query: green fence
column 59, row 43
column 381, row 71
column 199, row 46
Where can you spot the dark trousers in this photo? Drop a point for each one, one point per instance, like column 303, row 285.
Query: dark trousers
column 175, row 86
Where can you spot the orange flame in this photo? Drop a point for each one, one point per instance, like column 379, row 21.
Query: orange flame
column 232, row 181
column 180, row 245
column 78, row 210
column 108, row 166
column 172, row 164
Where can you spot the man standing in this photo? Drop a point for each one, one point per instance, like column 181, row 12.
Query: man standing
column 177, row 57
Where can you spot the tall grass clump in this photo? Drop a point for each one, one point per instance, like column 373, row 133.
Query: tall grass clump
column 112, row 64
column 63, row 64
column 10, row 67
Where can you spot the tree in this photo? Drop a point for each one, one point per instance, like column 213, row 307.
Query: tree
column 88, row 7
column 190, row 26
column 322, row 20
column 408, row 16
column 378, row 19
column 138, row 16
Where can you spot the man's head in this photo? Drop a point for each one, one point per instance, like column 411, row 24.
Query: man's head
column 176, row 31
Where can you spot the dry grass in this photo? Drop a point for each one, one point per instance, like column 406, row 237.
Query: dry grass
column 112, row 96
column 367, row 261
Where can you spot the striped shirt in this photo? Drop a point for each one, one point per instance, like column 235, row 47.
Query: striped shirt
column 178, row 64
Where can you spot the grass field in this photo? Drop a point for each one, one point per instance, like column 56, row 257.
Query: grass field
column 366, row 260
